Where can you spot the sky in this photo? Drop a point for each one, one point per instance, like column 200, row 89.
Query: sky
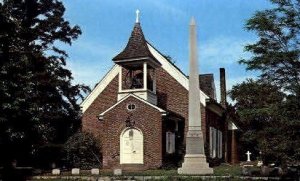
column 107, row 24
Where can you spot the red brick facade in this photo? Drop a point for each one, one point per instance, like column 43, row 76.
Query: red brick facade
column 171, row 96
column 105, row 100
column 113, row 124
column 172, row 99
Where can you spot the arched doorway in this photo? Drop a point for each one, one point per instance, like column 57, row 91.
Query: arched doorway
column 131, row 146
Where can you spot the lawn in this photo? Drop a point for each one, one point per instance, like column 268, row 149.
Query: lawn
column 171, row 174
column 228, row 170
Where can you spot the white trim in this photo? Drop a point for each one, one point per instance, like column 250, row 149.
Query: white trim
column 170, row 142
column 113, row 72
column 232, row 126
column 145, row 74
column 120, row 78
column 214, row 153
column 211, row 142
column 129, row 95
column 216, row 109
column 166, row 65
column 131, row 59
column 175, row 73
column 220, row 144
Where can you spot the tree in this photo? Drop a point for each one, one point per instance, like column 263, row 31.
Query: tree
column 38, row 101
column 270, row 106
column 257, row 106
column 277, row 52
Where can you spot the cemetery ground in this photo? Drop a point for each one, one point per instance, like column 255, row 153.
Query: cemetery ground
column 222, row 172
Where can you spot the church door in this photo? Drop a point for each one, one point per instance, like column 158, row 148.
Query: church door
column 131, row 147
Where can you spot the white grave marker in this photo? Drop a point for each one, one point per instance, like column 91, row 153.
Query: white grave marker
column 248, row 156
column 95, row 171
column 55, row 171
column 75, row 171
column 117, row 171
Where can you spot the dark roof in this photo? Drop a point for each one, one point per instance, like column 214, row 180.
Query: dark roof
column 136, row 46
column 207, row 85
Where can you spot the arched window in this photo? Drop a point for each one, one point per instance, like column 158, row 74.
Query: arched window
column 131, row 146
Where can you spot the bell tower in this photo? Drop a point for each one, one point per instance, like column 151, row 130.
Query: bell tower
column 137, row 73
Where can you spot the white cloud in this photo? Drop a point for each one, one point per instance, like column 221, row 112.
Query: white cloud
column 93, row 49
column 89, row 62
column 88, row 73
column 167, row 8
column 224, row 50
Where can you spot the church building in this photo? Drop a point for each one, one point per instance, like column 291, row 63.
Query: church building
column 138, row 112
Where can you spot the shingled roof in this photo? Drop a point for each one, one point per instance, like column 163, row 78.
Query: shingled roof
column 207, row 85
column 136, row 46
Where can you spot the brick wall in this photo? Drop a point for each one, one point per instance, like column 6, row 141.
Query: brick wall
column 172, row 97
column 105, row 100
column 147, row 119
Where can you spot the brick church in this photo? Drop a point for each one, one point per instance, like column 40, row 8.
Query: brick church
column 139, row 111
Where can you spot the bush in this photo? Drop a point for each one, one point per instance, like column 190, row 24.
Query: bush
column 82, row 151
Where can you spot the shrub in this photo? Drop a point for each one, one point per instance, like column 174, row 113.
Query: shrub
column 82, row 151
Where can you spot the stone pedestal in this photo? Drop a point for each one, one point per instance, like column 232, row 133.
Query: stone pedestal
column 195, row 159
column 195, row 164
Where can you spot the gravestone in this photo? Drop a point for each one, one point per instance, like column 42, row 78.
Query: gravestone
column 95, row 171
column 259, row 163
column 75, row 171
column 55, row 171
column 118, row 171
column 248, row 156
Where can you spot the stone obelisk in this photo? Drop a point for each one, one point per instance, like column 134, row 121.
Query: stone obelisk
column 194, row 159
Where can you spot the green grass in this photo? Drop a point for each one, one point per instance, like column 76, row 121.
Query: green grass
column 172, row 175
column 228, row 170
column 153, row 173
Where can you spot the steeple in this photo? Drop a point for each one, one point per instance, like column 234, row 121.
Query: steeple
column 137, row 73
column 136, row 48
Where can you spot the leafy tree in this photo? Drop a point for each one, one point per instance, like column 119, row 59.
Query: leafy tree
column 270, row 106
column 277, row 52
column 257, row 106
column 82, row 151
column 38, row 101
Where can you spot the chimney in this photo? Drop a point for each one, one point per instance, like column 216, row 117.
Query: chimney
column 223, row 87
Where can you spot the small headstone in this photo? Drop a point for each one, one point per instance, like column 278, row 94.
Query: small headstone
column 55, row 171
column 248, row 156
column 118, row 171
column 75, row 171
column 259, row 163
column 95, row 171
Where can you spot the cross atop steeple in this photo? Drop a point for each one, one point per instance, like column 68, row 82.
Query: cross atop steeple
column 137, row 20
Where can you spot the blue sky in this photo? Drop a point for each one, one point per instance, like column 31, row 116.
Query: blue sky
column 107, row 24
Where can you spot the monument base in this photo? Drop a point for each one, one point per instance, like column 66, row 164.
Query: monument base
column 195, row 164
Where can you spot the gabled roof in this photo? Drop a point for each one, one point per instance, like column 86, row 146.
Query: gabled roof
column 163, row 112
column 166, row 65
column 136, row 47
column 207, row 85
